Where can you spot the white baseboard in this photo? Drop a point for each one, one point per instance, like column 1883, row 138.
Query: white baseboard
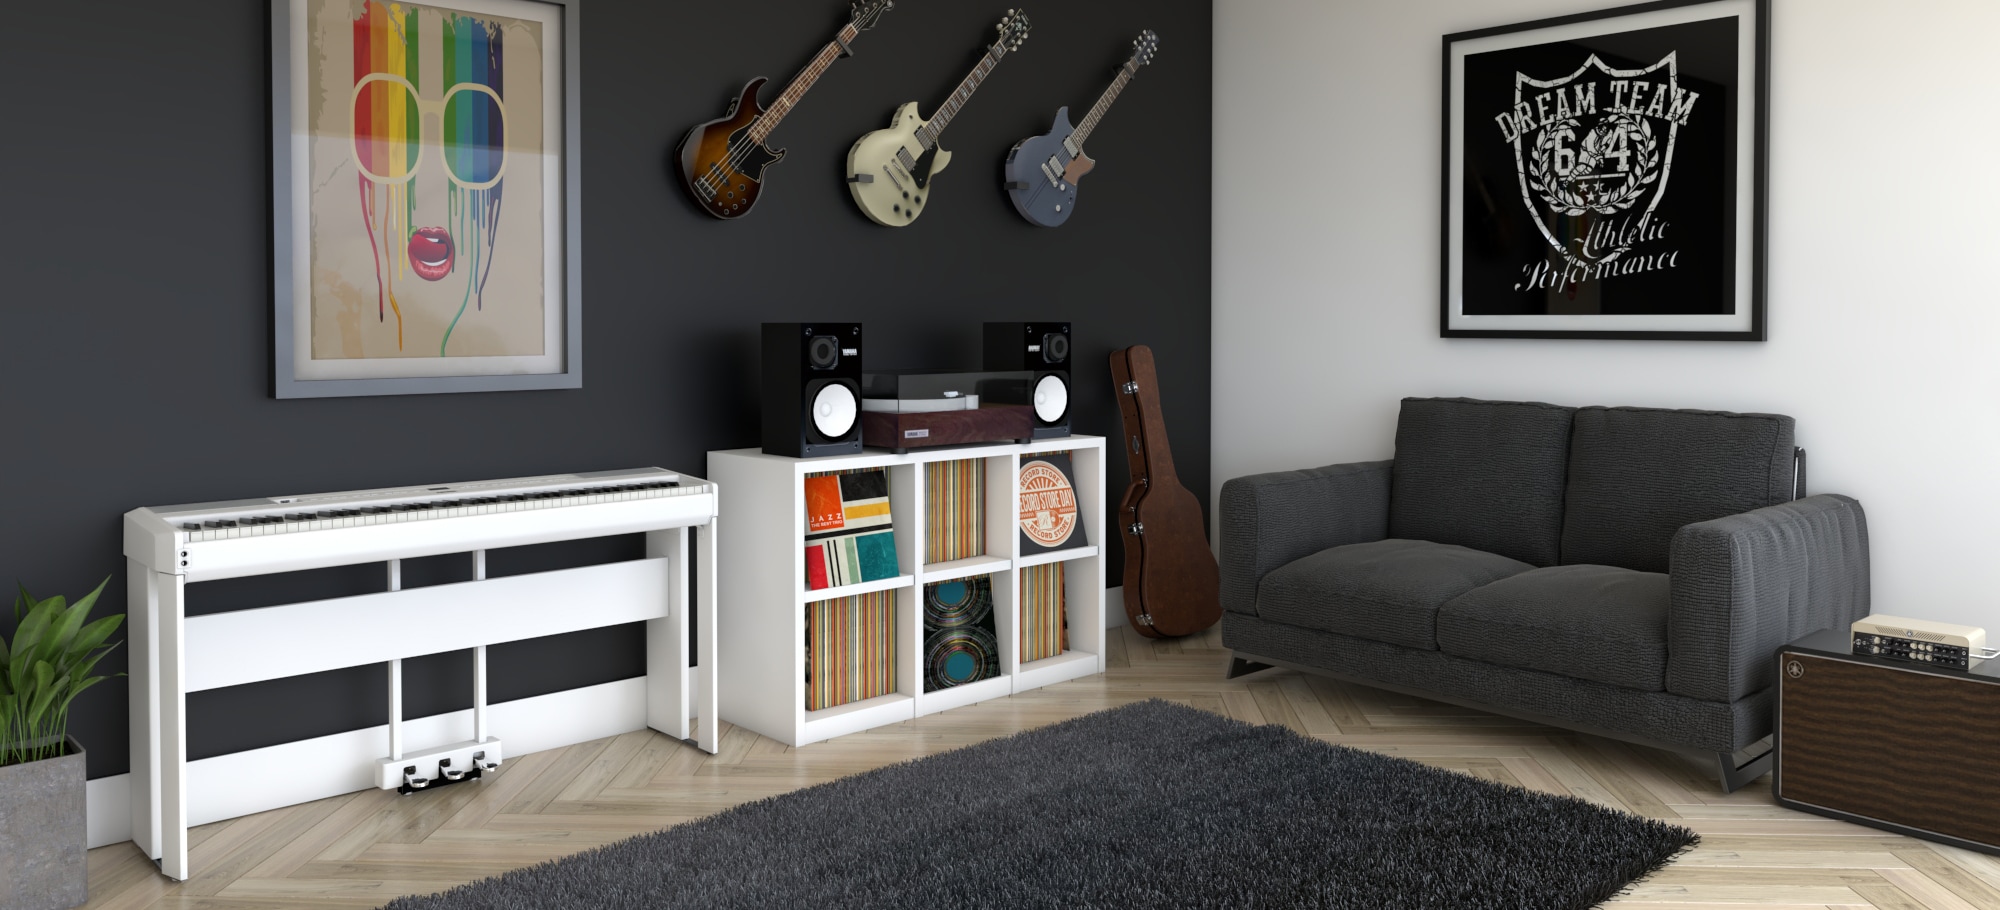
column 1114, row 607
column 243, row 783
column 107, row 808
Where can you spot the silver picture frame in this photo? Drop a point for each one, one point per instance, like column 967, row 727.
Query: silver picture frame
column 295, row 374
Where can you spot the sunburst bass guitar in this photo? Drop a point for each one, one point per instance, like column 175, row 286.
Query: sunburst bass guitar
column 890, row 170
column 1041, row 172
column 722, row 162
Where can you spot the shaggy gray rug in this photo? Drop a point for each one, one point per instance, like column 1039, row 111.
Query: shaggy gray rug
column 1150, row 805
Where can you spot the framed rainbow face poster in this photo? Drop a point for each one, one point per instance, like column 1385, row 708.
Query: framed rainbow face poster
column 426, row 196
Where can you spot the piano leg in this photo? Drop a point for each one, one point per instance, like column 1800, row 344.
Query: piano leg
column 142, row 609
column 396, row 678
column 666, row 639
column 711, row 718
column 172, row 692
column 479, row 663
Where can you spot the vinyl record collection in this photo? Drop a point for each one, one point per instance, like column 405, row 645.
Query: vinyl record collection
column 849, row 534
column 1044, row 618
column 850, row 649
column 959, row 643
column 954, row 510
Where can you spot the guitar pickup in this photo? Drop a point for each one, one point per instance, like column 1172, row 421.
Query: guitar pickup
column 861, row 178
column 1018, row 184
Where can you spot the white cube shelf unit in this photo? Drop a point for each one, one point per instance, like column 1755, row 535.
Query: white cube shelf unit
column 761, row 614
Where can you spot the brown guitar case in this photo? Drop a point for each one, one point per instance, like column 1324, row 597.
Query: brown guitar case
column 1172, row 586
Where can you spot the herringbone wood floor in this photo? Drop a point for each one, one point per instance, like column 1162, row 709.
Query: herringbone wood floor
column 362, row 849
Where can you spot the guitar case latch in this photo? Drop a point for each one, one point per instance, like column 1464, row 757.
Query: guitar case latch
column 1131, row 387
column 1136, row 529
column 1144, row 619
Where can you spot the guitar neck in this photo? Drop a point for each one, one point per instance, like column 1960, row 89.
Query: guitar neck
column 802, row 83
column 1103, row 105
column 935, row 128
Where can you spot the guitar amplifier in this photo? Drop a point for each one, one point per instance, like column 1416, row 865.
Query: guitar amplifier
column 1909, row 747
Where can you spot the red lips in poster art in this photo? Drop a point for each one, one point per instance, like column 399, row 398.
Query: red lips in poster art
column 430, row 253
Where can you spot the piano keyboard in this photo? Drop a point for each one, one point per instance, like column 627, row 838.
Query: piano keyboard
column 321, row 512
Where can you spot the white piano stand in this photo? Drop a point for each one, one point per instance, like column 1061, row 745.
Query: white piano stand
column 174, row 654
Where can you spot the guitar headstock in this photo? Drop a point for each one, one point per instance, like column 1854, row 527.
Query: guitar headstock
column 1143, row 48
column 868, row 12
column 1013, row 29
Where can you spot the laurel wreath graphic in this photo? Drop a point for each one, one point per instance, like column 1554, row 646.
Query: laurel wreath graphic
column 1573, row 194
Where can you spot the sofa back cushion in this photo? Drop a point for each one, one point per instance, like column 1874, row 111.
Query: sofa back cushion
column 1637, row 475
column 1481, row 474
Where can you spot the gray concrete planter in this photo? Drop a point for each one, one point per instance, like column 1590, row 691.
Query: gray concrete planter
column 42, row 833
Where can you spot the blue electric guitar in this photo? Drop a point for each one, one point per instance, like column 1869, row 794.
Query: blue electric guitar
column 1042, row 172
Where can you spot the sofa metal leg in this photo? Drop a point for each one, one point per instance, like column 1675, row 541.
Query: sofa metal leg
column 1240, row 667
column 1734, row 776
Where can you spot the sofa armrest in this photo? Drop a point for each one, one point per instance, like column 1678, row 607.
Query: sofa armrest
column 1744, row 585
column 1269, row 520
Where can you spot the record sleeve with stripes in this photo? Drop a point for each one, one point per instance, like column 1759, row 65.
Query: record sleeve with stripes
column 849, row 534
column 955, row 510
column 1044, row 617
column 850, row 649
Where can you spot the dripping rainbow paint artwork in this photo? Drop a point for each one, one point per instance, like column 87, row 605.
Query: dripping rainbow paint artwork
column 428, row 144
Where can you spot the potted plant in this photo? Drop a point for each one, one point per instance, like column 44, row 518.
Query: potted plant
column 42, row 821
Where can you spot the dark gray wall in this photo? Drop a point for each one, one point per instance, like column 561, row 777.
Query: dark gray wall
column 135, row 325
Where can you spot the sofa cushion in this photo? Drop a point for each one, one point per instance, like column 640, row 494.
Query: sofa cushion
column 1599, row 623
column 1481, row 474
column 1637, row 475
column 1385, row 590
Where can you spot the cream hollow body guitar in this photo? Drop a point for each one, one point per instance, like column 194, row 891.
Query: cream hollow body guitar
column 890, row 170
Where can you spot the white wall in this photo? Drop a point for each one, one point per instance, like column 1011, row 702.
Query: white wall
column 1884, row 319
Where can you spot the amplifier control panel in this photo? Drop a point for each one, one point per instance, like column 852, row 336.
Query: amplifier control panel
column 1951, row 657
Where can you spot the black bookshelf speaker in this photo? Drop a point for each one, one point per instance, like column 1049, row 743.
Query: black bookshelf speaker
column 1043, row 347
column 812, row 389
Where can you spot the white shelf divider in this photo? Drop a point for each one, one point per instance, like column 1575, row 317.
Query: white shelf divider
column 1044, row 558
column 859, row 588
column 761, row 618
column 965, row 568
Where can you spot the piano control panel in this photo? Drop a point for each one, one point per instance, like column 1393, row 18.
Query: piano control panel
column 290, row 514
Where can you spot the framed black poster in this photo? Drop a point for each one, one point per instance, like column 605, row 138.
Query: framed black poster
column 1604, row 174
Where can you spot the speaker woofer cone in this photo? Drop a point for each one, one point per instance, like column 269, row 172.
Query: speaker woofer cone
column 1051, row 398
column 834, row 407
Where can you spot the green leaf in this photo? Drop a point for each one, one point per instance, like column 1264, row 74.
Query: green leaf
column 26, row 635
column 55, row 641
column 83, row 668
column 45, row 692
column 94, row 634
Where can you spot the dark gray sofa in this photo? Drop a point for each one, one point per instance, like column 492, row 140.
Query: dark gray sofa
column 1620, row 571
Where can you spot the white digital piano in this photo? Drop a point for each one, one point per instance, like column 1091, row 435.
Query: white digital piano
column 174, row 654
